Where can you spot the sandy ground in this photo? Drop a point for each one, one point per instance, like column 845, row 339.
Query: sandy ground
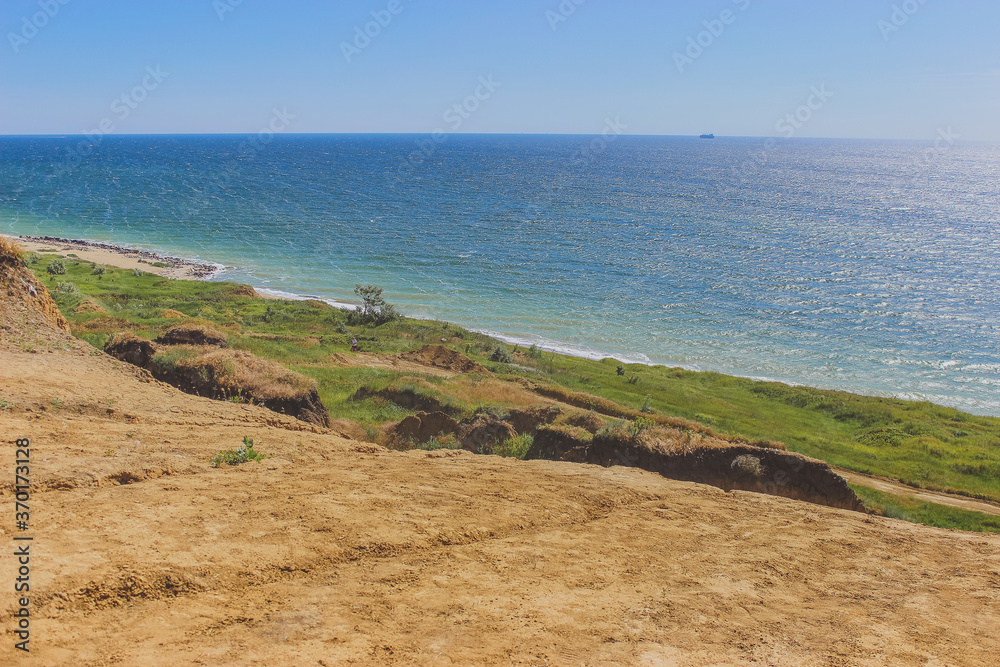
column 336, row 552
column 119, row 257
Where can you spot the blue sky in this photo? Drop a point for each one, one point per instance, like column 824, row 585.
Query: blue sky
column 882, row 69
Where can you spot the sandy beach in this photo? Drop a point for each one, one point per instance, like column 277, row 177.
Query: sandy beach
column 119, row 256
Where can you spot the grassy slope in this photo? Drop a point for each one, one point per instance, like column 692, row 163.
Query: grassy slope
column 931, row 514
column 919, row 443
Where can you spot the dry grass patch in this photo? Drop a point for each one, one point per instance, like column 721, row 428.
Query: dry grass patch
column 11, row 250
column 609, row 408
column 589, row 421
column 90, row 306
column 237, row 371
column 474, row 390
column 193, row 333
column 104, row 324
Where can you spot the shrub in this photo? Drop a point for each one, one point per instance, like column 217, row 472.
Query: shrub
column 67, row 288
column 613, row 429
column 494, row 411
column 374, row 308
column 56, row 268
column 99, row 270
column 138, row 273
column 516, row 447
column 534, row 352
column 637, row 426
column 646, row 405
column 243, row 453
column 501, row 354
column 443, row 441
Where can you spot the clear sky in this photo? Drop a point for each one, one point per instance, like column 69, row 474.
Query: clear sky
column 905, row 69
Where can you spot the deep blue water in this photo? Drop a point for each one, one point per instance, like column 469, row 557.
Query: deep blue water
column 870, row 266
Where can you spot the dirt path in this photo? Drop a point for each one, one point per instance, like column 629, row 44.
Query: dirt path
column 897, row 489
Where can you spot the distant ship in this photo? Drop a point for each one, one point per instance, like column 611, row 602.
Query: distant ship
column 707, row 136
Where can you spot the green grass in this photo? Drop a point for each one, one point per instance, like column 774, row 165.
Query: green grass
column 337, row 387
column 931, row 514
column 516, row 447
column 242, row 454
column 921, row 444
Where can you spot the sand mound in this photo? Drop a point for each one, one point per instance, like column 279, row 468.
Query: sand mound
column 441, row 357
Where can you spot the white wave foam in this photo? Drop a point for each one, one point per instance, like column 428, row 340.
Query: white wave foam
column 564, row 348
column 292, row 296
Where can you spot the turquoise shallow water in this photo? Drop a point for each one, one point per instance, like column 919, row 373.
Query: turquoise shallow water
column 860, row 265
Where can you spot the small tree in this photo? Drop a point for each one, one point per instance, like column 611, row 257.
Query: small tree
column 374, row 308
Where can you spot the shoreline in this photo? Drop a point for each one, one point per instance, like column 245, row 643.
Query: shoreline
column 124, row 257
column 121, row 257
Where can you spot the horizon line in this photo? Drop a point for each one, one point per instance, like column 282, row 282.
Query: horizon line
column 470, row 134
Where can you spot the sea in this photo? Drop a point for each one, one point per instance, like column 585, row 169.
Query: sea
column 862, row 265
